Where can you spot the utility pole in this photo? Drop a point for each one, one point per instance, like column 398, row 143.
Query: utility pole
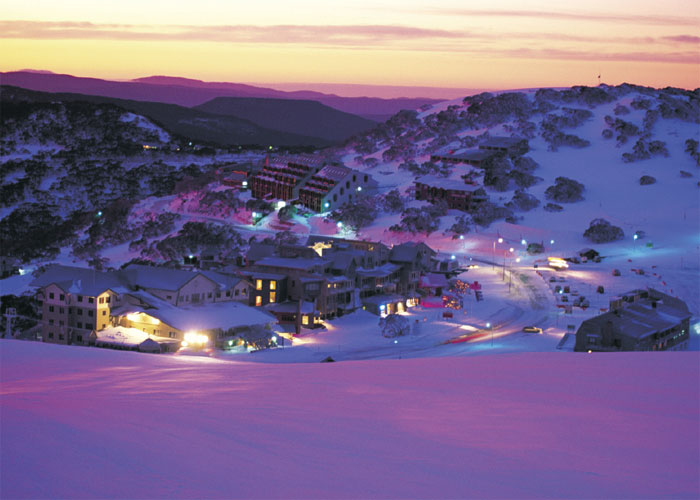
column 10, row 314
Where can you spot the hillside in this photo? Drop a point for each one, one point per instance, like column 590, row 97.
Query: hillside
column 528, row 425
column 188, row 123
column 303, row 117
column 188, row 92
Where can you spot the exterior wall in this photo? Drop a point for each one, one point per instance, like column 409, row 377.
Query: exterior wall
column 456, row 199
column 197, row 291
column 346, row 190
column 69, row 318
column 592, row 336
column 262, row 288
column 150, row 325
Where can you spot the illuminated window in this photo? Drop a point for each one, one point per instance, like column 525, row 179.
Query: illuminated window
column 273, row 285
column 258, row 284
column 273, row 296
column 304, row 320
column 258, row 300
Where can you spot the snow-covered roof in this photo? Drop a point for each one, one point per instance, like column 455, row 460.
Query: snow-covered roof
column 292, row 263
column 161, row 278
column 127, row 337
column 206, row 316
column 254, row 274
column 333, row 172
column 378, row 272
column 291, row 307
column 383, row 299
column 453, row 182
column 433, row 280
column 502, row 142
column 78, row 280
column 407, row 252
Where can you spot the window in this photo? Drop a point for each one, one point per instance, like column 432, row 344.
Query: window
column 218, row 295
column 60, row 323
column 70, row 310
column 50, row 322
column 80, row 298
column 258, row 284
column 258, row 300
column 90, row 312
column 342, row 191
column 50, row 309
column 354, row 178
column 228, row 293
column 61, row 310
column 304, row 320
column 62, row 297
column 91, row 300
column 51, row 297
column 79, row 311
column 104, row 313
column 273, row 295
column 61, row 336
column 235, row 293
column 88, row 326
column 107, row 299
column 79, row 338
column 273, row 285
column 335, row 197
column 209, row 295
column 171, row 335
column 347, row 185
column 104, row 325
column 79, row 324
column 366, row 178
column 50, row 335
column 102, row 300
column 245, row 291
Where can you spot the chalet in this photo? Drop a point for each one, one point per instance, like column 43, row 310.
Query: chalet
column 510, row 146
column 267, row 287
column 334, row 186
column 282, row 178
column 236, row 179
column 641, row 320
column 434, row 284
column 79, row 303
column 475, row 157
column 453, row 190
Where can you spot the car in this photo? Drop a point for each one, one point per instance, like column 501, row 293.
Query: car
column 532, row 329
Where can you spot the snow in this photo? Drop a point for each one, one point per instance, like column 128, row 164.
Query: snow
column 95, row 423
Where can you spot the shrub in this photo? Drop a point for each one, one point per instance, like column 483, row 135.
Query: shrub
column 394, row 325
column 523, row 201
column 645, row 180
column 361, row 213
column 553, row 207
column 565, row 190
column 621, row 110
column 601, row 231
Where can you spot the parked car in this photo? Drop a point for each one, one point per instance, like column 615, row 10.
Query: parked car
column 532, row 329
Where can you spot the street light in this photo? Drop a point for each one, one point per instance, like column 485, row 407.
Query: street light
column 493, row 253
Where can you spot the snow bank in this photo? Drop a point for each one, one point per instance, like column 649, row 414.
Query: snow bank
column 88, row 423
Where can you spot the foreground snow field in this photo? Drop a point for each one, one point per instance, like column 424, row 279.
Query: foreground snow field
column 88, row 423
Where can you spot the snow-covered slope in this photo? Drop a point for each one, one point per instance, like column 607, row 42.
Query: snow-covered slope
column 90, row 423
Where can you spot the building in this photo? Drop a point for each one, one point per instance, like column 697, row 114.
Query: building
column 474, row 157
column 458, row 194
column 510, row 146
column 641, row 320
column 333, row 186
column 161, row 302
column 489, row 149
column 282, row 177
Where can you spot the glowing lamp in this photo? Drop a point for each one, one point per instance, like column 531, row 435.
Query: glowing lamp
column 452, row 257
column 461, row 236
column 396, row 341
column 326, row 204
column 339, row 224
column 244, row 184
column 551, row 242
column 500, row 240
column 523, row 242
column 359, row 188
column 281, row 204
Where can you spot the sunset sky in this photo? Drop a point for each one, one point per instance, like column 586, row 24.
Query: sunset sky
column 442, row 43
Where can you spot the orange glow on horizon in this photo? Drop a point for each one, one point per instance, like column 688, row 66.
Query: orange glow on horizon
column 451, row 44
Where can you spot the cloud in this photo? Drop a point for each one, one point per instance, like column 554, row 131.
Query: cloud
column 340, row 35
column 386, row 37
column 571, row 16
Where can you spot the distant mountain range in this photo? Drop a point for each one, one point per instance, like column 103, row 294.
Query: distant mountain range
column 189, row 92
column 202, row 126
